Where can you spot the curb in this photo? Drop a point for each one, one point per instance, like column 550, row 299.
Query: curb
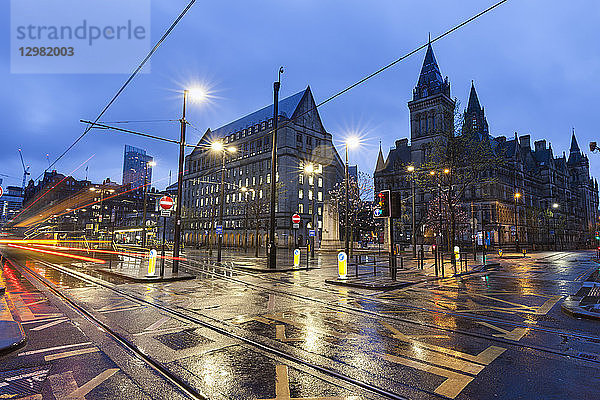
column 12, row 335
column 144, row 279
column 570, row 307
column 403, row 284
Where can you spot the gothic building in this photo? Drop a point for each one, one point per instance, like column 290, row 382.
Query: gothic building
column 301, row 140
column 533, row 197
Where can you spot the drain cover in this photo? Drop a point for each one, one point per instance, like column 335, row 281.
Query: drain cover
column 182, row 340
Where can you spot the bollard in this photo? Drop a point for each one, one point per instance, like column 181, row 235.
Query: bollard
column 307, row 253
column 401, row 262
column 524, row 252
column 395, row 270
column 296, row 258
column 442, row 263
column 342, row 265
column 500, row 252
column 422, row 259
column 152, row 264
column 435, row 256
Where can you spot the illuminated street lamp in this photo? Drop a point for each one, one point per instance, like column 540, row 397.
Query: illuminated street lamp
column 196, row 94
column 310, row 170
column 517, row 197
column 351, row 142
column 219, row 147
column 411, row 170
column 144, row 213
column 555, row 207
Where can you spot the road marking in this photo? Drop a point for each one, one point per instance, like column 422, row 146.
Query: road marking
column 91, row 384
column 34, row 303
column 28, row 353
column 165, row 330
column 128, row 308
column 451, row 387
column 70, row 353
column 37, row 321
column 485, row 357
column 282, row 387
column 158, row 324
column 271, row 303
column 516, row 334
column 32, row 397
column 49, row 324
column 280, row 334
column 547, row 306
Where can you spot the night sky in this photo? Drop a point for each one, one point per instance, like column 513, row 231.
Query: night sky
column 535, row 65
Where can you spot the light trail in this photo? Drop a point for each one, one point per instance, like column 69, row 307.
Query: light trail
column 122, row 253
column 56, row 253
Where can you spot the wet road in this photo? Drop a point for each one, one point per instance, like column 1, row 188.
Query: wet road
column 244, row 335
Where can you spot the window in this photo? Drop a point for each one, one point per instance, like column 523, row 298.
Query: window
column 311, row 180
column 310, row 194
column 301, row 208
column 300, row 194
column 301, row 178
column 320, row 182
column 309, row 140
column 320, row 196
column 268, row 178
column 299, row 137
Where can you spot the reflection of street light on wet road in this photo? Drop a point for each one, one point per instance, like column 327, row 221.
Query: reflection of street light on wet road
column 517, row 197
column 146, row 165
column 411, row 170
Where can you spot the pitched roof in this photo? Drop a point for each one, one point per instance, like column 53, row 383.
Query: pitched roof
column 574, row 145
column 430, row 71
column 287, row 107
column 380, row 161
column 473, row 100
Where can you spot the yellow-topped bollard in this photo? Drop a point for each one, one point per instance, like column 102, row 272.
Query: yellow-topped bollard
column 342, row 265
column 297, row 258
column 500, row 252
column 457, row 253
column 152, row 263
column 524, row 252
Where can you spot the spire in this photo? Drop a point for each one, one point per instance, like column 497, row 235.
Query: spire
column 574, row 145
column 473, row 105
column 430, row 71
column 380, row 161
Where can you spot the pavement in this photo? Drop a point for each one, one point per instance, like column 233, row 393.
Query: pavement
column 135, row 269
column 12, row 335
column 586, row 302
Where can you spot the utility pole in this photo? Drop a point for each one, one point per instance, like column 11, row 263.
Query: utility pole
column 179, row 204
column 347, row 203
column 272, row 250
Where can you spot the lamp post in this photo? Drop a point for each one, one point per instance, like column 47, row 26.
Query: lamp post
column 197, row 94
column 310, row 170
column 272, row 250
column 219, row 147
column 555, row 207
column 351, row 142
column 146, row 165
column 411, row 170
column 517, row 197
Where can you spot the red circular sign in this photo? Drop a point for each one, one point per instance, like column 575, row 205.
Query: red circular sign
column 1, row 191
column 296, row 218
column 166, row 203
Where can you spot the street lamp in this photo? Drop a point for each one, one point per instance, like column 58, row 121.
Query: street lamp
column 517, row 197
column 146, row 165
column 219, row 147
column 555, row 207
column 351, row 142
column 311, row 171
column 197, row 95
column 411, row 170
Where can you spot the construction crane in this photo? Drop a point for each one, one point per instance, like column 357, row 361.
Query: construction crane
column 25, row 169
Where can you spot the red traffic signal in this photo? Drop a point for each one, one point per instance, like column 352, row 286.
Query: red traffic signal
column 382, row 206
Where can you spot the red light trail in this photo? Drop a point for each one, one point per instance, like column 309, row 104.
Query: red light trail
column 56, row 253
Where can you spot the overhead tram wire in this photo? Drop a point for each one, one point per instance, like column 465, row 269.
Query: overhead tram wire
column 139, row 121
column 135, row 72
column 357, row 83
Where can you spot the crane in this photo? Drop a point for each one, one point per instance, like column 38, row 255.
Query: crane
column 25, row 169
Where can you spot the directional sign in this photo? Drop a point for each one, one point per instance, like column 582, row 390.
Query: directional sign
column 166, row 203
column 311, row 233
column 165, row 213
column 219, row 229
column 296, row 226
column 296, row 219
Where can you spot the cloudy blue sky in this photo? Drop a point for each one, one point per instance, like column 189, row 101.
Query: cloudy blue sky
column 535, row 65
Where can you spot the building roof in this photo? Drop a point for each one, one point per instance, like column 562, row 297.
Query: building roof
column 286, row 109
column 473, row 105
column 430, row 71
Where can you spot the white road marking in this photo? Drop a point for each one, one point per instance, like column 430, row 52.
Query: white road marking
column 49, row 324
column 28, row 353
column 91, row 384
column 70, row 353
column 158, row 324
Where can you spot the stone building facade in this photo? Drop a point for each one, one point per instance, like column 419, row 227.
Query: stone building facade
column 301, row 139
column 556, row 203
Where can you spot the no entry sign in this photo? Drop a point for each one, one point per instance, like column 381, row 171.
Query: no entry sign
column 296, row 219
column 1, row 191
column 166, row 203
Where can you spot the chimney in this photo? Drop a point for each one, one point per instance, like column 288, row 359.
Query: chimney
column 540, row 145
column 525, row 141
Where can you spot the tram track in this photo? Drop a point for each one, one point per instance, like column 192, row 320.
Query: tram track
column 420, row 323
column 184, row 316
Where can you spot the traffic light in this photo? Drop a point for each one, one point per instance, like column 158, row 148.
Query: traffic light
column 382, row 207
column 597, row 235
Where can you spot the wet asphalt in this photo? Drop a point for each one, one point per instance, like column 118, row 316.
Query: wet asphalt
column 244, row 335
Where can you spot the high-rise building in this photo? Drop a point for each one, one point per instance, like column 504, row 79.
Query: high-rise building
column 10, row 202
column 136, row 166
